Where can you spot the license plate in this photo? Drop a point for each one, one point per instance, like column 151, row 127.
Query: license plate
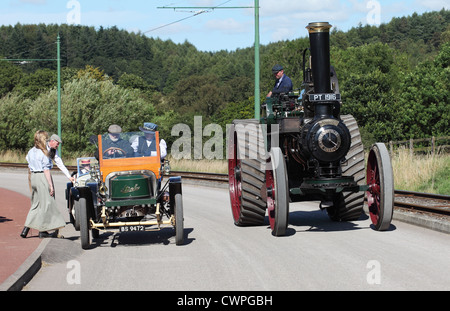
column 131, row 228
column 324, row 97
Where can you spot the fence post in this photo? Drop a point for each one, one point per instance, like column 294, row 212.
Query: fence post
column 411, row 147
column 391, row 148
column 433, row 145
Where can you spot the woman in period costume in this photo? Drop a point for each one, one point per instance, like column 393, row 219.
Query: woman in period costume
column 44, row 215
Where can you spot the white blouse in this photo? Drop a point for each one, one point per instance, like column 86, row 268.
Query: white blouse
column 37, row 161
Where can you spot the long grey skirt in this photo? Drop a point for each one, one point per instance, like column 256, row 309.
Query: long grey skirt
column 44, row 214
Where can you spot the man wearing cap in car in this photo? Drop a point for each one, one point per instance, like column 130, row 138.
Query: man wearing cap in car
column 114, row 145
column 52, row 147
column 283, row 83
column 145, row 146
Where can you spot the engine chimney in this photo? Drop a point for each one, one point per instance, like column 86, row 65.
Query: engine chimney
column 319, row 38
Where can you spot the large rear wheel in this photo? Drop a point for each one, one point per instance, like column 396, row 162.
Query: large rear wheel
column 349, row 206
column 380, row 179
column 246, row 172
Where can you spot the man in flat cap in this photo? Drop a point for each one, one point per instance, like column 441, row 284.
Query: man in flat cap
column 145, row 145
column 114, row 146
column 283, row 83
column 52, row 147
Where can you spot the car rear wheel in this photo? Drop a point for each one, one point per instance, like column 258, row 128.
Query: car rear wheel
column 179, row 220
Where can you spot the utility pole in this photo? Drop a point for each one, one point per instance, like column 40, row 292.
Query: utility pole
column 58, row 48
column 58, row 60
column 257, row 64
column 257, row 61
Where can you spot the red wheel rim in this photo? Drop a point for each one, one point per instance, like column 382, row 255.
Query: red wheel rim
column 373, row 193
column 270, row 186
column 234, row 177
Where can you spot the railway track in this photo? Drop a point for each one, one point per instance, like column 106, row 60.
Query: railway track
column 434, row 204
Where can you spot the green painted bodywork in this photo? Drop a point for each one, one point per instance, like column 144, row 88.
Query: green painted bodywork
column 130, row 187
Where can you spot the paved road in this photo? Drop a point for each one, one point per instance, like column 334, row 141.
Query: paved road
column 316, row 255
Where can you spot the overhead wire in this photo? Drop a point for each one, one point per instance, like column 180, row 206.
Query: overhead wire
column 188, row 17
column 175, row 22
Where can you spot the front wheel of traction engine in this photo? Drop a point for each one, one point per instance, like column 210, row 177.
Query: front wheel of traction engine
column 277, row 193
column 246, row 172
column 380, row 179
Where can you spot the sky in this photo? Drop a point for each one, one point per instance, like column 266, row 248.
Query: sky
column 218, row 29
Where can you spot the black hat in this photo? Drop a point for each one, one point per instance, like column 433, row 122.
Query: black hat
column 277, row 68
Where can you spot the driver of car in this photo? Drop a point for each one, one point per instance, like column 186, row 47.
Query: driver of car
column 114, row 146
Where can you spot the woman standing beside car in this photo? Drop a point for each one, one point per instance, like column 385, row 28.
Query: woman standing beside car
column 44, row 214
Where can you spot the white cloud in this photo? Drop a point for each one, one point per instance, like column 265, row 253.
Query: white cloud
column 32, row 18
column 434, row 5
column 270, row 8
column 34, row 1
column 228, row 26
column 284, row 19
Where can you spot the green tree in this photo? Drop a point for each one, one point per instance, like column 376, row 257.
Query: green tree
column 424, row 97
column 33, row 84
column 89, row 107
column 10, row 77
column 15, row 132
column 199, row 95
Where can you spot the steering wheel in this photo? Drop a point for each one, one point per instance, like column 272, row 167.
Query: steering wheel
column 116, row 152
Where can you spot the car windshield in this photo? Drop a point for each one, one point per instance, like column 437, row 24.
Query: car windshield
column 129, row 145
column 85, row 165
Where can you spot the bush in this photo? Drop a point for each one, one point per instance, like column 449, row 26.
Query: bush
column 88, row 107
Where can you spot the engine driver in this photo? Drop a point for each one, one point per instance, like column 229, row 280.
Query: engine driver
column 283, row 83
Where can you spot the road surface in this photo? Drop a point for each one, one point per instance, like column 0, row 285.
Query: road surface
column 317, row 254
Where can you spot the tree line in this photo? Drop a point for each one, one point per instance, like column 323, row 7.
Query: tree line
column 394, row 79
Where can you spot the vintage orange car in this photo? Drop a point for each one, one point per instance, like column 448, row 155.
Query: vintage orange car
column 122, row 190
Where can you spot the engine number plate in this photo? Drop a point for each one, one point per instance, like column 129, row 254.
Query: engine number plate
column 131, row 228
column 324, row 97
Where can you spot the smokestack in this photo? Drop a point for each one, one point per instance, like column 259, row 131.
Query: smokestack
column 319, row 38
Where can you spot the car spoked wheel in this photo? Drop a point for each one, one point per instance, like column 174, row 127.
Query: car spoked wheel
column 179, row 220
column 84, row 224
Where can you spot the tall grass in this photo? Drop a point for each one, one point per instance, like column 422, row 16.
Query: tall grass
column 14, row 156
column 423, row 173
column 204, row 166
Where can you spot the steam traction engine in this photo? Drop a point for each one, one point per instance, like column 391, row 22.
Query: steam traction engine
column 305, row 150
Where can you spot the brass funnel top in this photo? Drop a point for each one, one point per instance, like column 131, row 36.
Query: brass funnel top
column 318, row 27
